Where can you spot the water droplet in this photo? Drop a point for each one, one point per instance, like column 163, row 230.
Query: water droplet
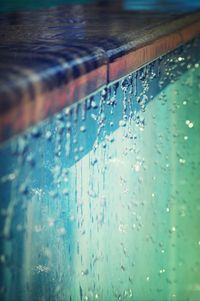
column 85, row 272
column 36, row 133
column 173, row 229
column 190, row 125
column 48, row 135
column 76, row 158
column 65, row 191
column 180, row 59
column 94, row 104
column 122, row 228
column 30, row 159
column 38, row 228
column 22, row 145
column 122, row 123
column 104, row 93
column 50, row 222
column 61, row 231
column 42, row 268
column 83, row 128
column 137, row 167
column 94, row 161
column 162, row 271
column 23, row 189
column 182, row 161
column 110, row 138
column 68, row 125
column 2, row 258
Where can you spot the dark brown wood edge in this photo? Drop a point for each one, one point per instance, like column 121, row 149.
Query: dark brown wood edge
column 29, row 113
column 149, row 52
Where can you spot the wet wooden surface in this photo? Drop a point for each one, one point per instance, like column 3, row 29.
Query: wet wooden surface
column 51, row 58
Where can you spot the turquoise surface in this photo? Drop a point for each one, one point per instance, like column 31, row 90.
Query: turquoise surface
column 101, row 201
column 9, row 6
column 163, row 5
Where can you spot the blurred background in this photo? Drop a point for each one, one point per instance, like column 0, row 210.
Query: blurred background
column 166, row 5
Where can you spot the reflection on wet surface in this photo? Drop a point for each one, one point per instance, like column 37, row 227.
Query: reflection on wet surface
column 101, row 201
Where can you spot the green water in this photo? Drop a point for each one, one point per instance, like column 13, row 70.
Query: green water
column 147, row 192
column 101, row 201
column 11, row 6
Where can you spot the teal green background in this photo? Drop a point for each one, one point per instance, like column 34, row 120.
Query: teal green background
column 16, row 5
column 101, row 201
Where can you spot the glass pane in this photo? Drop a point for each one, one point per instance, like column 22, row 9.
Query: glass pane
column 101, row 201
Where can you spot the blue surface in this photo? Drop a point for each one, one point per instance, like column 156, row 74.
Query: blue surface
column 34, row 179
